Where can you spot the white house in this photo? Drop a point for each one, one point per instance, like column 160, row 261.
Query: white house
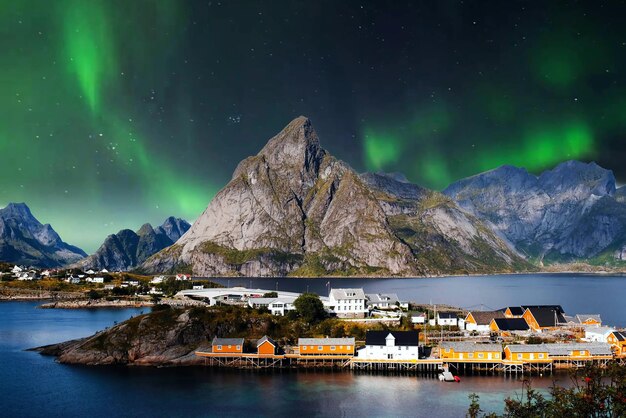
column 418, row 318
column 348, row 303
column 45, row 273
column 385, row 301
column 390, row 345
column 597, row 334
column 197, row 287
column 73, row 280
column 447, row 319
column 16, row 269
column 97, row 280
column 183, row 277
column 90, row 271
column 27, row 276
column 157, row 279
column 109, row 286
column 277, row 306
column 131, row 282
column 104, row 271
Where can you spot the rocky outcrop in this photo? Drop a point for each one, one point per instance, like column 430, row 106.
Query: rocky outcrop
column 565, row 214
column 167, row 337
column 127, row 249
column 24, row 240
column 295, row 209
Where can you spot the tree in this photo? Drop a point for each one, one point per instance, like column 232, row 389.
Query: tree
column 270, row 295
column 309, row 307
column 596, row 392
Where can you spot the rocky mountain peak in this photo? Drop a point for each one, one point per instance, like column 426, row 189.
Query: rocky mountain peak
column 588, row 178
column 17, row 210
column 145, row 229
column 296, row 147
column 24, row 240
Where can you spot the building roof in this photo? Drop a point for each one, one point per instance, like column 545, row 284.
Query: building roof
column 515, row 310
column 599, row 330
column 582, row 318
column 485, row 317
column 227, row 341
column 264, row 339
column 527, row 348
column 382, row 297
column 447, row 315
column 547, row 316
column 347, row 294
column 620, row 335
column 468, row 347
column 403, row 338
column 325, row 341
column 557, row 308
column 511, row 324
column 595, row 349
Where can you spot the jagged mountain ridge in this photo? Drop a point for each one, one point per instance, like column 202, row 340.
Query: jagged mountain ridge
column 24, row 240
column 295, row 209
column 572, row 212
column 127, row 249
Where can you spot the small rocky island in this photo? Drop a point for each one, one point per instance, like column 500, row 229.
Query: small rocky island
column 170, row 336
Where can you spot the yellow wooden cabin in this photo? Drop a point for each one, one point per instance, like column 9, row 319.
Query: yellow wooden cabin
column 527, row 353
column 545, row 317
column 617, row 339
column 326, row 346
column 505, row 327
column 266, row 346
column 466, row 351
column 513, row 312
column 227, row 345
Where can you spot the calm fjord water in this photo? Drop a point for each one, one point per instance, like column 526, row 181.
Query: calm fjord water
column 32, row 385
column 577, row 293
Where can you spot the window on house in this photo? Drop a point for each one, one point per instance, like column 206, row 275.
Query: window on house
column 481, row 355
column 319, row 348
column 230, row 346
column 238, row 347
column 333, row 348
column 540, row 355
column 497, row 355
column 348, row 347
column 219, row 347
column 470, row 355
column 519, row 356
column 304, row 348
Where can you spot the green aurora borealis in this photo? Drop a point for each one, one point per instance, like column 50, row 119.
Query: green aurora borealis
column 116, row 113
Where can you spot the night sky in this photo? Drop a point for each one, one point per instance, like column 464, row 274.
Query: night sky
column 118, row 112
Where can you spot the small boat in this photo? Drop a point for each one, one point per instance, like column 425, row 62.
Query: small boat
column 446, row 377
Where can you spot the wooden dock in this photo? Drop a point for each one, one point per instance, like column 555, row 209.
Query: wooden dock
column 428, row 366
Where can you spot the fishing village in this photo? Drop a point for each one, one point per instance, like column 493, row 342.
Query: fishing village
column 529, row 339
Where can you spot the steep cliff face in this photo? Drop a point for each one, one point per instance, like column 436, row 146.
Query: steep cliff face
column 127, row 249
column 564, row 214
column 24, row 240
column 295, row 209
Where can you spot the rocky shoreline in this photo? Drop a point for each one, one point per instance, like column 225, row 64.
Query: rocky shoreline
column 13, row 294
column 91, row 304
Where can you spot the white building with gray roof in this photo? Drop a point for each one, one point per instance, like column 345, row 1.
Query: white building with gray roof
column 348, row 303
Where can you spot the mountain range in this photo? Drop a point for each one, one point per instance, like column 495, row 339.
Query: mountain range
column 127, row 249
column 294, row 209
column 24, row 240
column 573, row 212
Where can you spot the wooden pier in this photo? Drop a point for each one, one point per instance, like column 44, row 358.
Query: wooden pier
column 429, row 366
